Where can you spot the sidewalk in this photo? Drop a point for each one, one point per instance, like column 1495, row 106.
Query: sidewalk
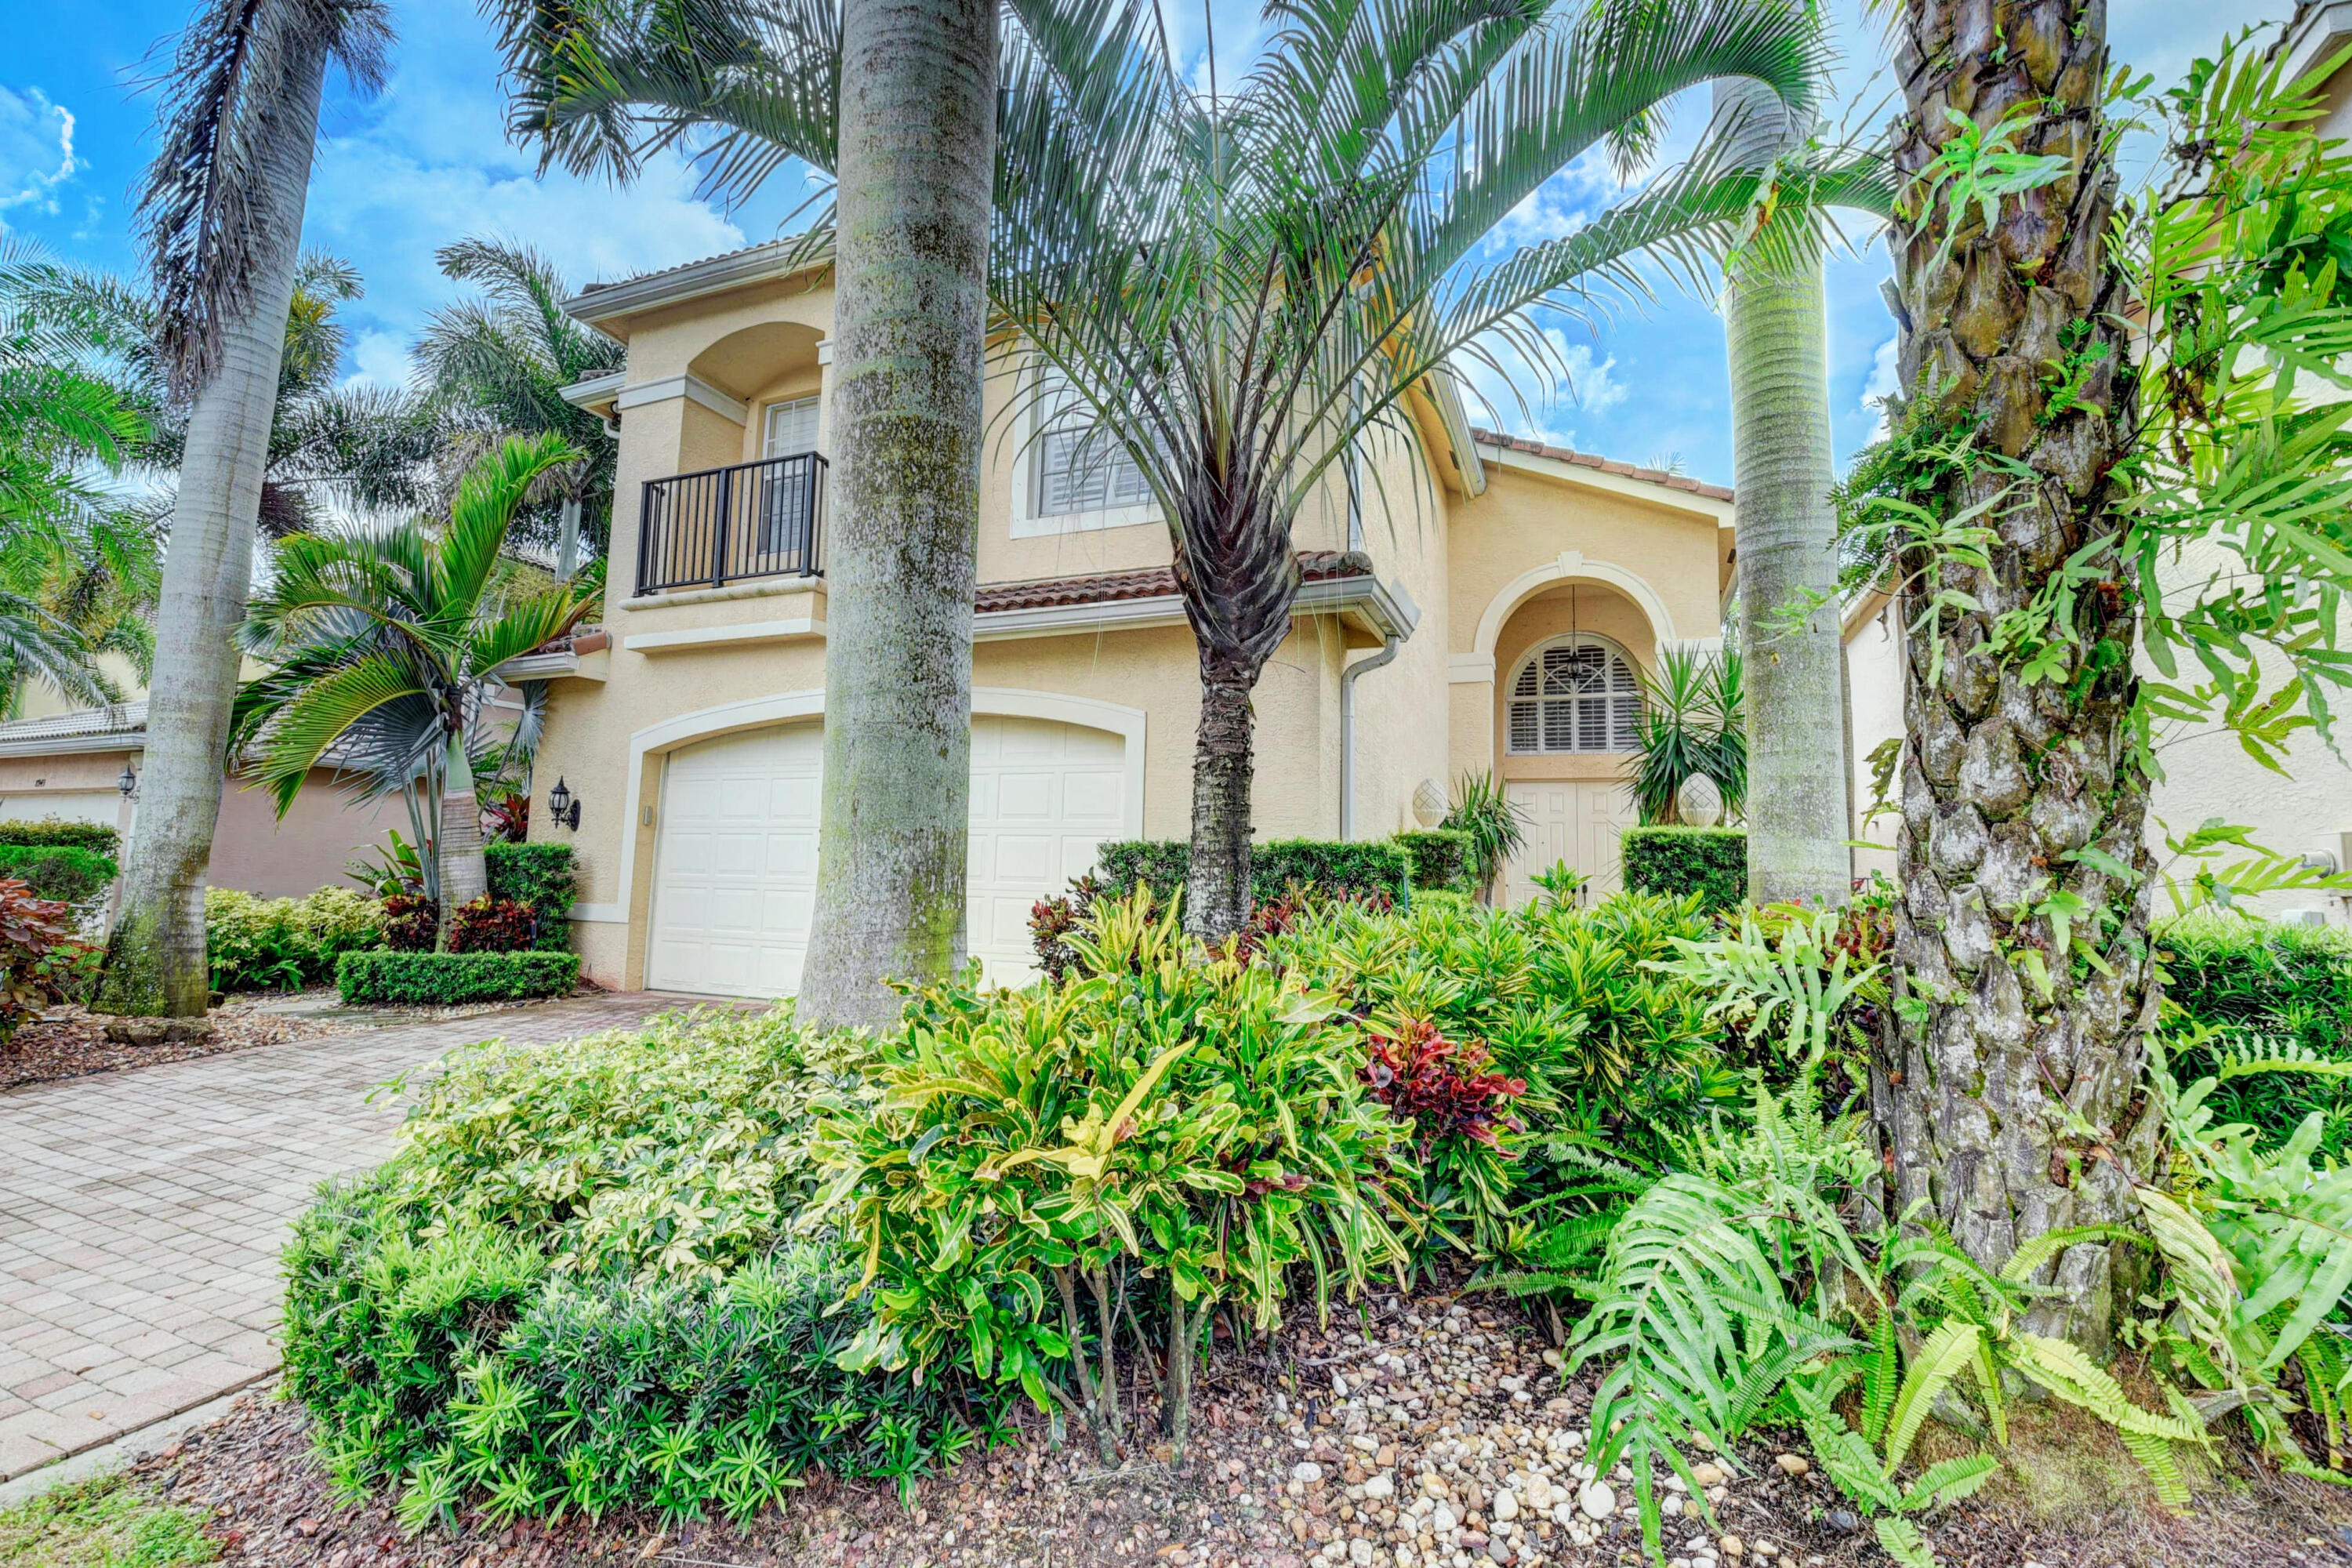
column 141, row 1213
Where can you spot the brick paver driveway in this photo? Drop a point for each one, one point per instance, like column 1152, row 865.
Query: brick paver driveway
column 142, row 1213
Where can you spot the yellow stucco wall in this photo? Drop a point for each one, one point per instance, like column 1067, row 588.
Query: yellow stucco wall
column 1654, row 557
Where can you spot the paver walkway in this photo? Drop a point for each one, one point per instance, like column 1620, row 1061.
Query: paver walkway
column 141, row 1213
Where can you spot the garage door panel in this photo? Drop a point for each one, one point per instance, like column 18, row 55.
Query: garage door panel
column 735, row 868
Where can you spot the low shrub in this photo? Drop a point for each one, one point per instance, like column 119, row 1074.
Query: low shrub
column 544, row 878
column 1711, row 862
column 571, row 1288
column 1177, row 1128
column 446, row 979
column 1444, row 859
column 493, row 924
column 412, row 923
column 2250, row 990
column 61, row 873
column 38, row 951
column 254, row 944
column 1325, row 866
column 50, row 832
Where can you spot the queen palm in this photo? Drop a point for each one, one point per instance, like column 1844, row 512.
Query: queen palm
column 1238, row 290
column 384, row 646
column 222, row 212
column 498, row 366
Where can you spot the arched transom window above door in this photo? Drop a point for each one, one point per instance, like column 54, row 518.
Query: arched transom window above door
column 1575, row 694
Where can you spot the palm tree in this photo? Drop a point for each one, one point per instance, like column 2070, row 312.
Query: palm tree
column 68, row 410
column 1237, row 291
column 384, row 646
column 899, row 102
column 2012, row 1102
column 222, row 213
column 498, row 367
column 1776, row 328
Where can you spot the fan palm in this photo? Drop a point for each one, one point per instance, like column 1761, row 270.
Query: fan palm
column 222, row 213
column 1238, row 291
column 498, row 366
column 385, row 646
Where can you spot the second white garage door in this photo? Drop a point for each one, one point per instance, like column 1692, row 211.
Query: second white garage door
column 735, row 869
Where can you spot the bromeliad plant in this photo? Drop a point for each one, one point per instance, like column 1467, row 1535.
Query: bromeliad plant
column 1165, row 1124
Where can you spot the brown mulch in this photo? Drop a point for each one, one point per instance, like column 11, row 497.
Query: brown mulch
column 67, row 1042
column 1225, row 1506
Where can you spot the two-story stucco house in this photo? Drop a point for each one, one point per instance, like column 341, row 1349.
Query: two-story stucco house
column 1522, row 588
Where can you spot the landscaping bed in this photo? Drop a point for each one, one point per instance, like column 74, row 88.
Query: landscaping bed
column 1233, row 1502
column 67, row 1042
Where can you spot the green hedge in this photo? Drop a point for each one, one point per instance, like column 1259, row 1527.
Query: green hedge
column 542, row 877
column 1710, row 861
column 1441, row 857
column 574, row 1289
column 1320, row 865
column 95, row 837
column 2286, row 983
column 441, row 979
column 59, row 871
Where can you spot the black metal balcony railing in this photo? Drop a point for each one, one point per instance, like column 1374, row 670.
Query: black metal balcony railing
column 751, row 519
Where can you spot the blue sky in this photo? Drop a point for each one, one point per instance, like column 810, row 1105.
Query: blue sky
column 426, row 162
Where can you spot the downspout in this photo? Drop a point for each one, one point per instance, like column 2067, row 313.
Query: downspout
column 1348, row 730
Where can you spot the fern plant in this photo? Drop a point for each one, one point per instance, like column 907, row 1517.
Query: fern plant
column 2259, row 1247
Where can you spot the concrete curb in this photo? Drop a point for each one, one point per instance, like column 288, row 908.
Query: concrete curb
column 110, row 1453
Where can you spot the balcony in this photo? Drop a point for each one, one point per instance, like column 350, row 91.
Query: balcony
column 723, row 525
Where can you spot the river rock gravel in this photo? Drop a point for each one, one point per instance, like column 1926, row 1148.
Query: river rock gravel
column 1424, row 1432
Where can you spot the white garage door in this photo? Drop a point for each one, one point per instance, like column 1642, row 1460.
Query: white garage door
column 735, row 871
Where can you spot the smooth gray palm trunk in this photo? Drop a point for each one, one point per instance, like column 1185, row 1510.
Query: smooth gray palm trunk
column 1775, row 319
column 156, row 960
column 917, row 145
column 458, row 840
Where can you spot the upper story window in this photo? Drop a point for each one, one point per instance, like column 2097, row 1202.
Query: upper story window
column 1576, row 694
column 1075, row 468
column 791, row 429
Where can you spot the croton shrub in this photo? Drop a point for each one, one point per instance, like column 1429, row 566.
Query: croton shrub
column 40, row 955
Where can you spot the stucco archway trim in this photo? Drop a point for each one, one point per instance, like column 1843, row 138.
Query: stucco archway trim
column 1572, row 565
column 784, row 707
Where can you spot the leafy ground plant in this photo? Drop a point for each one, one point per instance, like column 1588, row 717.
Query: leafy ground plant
column 108, row 1523
column 574, row 1288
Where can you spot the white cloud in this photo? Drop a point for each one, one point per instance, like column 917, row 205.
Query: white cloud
column 1884, row 381
column 1594, row 389
column 379, row 359
column 37, row 150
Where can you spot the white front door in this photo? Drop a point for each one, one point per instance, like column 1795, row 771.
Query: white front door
column 1577, row 821
column 735, row 867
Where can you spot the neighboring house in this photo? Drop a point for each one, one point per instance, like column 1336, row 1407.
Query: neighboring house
column 2206, row 773
column 71, row 765
column 1523, row 588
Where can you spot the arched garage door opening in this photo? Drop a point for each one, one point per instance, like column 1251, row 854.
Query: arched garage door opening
column 735, row 865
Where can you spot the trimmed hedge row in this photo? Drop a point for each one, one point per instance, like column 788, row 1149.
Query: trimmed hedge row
column 1710, row 861
column 1321, row 865
column 540, row 877
column 1442, row 857
column 444, row 979
column 61, row 871
column 52, row 831
column 2262, row 978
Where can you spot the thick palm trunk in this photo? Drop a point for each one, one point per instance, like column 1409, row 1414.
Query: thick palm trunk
column 1775, row 321
column 1217, row 879
column 2009, row 1102
column 917, row 138
column 156, row 960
